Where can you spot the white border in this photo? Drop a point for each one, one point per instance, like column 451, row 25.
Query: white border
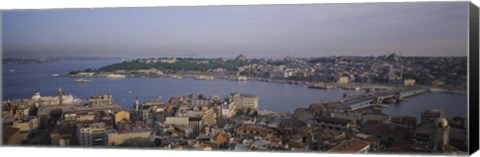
column 56, row 4
column 49, row 4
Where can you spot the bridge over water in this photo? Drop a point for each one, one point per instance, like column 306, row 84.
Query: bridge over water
column 377, row 98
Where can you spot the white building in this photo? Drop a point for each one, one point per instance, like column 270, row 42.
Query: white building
column 409, row 82
column 245, row 102
column 180, row 121
column 343, row 80
column 228, row 110
column 91, row 134
column 115, row 138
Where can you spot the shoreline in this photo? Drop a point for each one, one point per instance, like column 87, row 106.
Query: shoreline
column 347, row 86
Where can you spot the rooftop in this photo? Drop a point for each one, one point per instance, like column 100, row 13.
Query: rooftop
column 350, row 146
column 9, row 132
column 332, row 120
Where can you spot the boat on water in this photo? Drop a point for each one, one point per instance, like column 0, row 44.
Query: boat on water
column 82, row 81
column 321, row 86
column 12, row 70
column 389, row 101
column 176, row 77
column 204, row 77
column 115, row 76
column 241, row 78
column 356, row 88
column 55, row 75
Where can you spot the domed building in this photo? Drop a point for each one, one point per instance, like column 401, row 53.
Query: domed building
column 433, row 136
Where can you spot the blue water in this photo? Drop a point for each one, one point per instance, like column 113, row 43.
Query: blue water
column 279, row 97
column 453, row 105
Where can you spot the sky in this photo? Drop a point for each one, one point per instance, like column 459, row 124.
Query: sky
column 260, row 31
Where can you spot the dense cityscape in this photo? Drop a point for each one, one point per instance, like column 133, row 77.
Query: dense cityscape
column 448, row 72
column 351, row 124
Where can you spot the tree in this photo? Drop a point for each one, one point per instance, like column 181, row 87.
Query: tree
column 248, row 111
column 238, row 112
column 255, row 113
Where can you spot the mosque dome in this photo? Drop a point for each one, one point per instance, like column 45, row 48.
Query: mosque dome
column 441, row 122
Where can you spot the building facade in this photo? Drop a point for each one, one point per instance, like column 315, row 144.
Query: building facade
column 245, row 102
column 91, row 134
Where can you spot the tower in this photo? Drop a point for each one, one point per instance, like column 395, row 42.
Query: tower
column 441, row 134
column 60, row 96
column 136, row 105
column 441, row 131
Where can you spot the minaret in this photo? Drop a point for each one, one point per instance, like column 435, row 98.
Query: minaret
column 136, row 105
column 60, row 96
column 442, row 131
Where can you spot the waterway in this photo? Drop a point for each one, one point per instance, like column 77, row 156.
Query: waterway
column 278, row 97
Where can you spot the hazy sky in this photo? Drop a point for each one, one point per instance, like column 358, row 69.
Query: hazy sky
column 429, row 28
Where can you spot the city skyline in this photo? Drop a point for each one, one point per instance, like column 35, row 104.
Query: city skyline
column 260, row 31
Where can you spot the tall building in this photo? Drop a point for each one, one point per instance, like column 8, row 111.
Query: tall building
column 136, row 105
column 245, row 102
column 194, row 123
column 60, row 96
column 91, row 134
column 429, row 116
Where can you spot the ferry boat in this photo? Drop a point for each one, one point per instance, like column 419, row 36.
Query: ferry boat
column 55, row 75
column 82, row 81
column 115, row 76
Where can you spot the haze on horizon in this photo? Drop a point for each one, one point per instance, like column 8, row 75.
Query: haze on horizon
column 260, row 31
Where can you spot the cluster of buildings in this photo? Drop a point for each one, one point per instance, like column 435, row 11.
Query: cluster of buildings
column 64, row 120
column 435, row 71
column 152, row 72
column 446, row 72
column 230, row 123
